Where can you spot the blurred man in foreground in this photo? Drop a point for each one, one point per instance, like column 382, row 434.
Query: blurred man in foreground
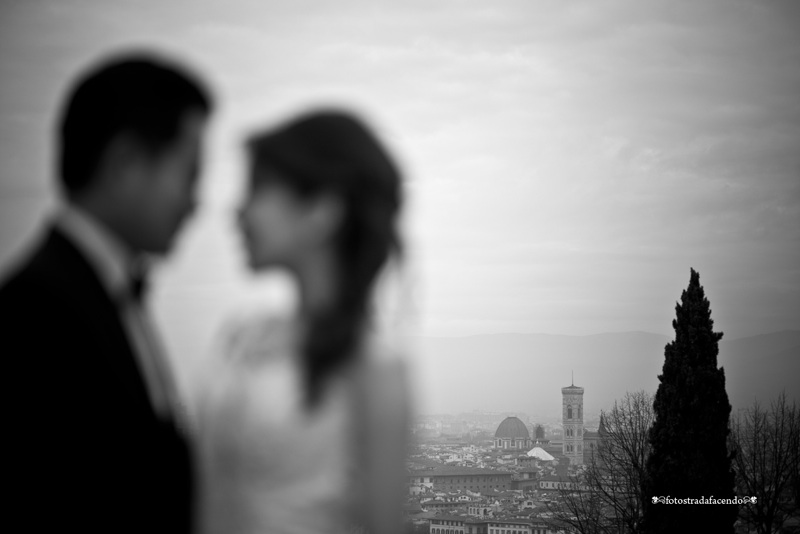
column 93, row 421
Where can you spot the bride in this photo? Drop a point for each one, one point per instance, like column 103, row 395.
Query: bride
column 302, row 422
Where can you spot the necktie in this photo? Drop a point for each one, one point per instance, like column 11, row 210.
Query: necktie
column 138, row 287
column 138, row 283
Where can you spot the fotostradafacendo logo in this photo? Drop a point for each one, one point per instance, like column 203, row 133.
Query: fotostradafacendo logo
column 704, row 500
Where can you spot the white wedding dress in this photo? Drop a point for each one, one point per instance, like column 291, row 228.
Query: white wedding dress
column 267, row 464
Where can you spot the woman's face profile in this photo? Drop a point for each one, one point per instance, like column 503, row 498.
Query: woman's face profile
column 278, row 226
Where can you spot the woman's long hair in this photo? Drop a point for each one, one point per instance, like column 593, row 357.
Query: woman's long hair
column 333, row 152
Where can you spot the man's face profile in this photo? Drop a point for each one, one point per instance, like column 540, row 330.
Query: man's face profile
column 162, row 187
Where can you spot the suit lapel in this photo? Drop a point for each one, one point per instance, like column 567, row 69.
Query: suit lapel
column 99, row 315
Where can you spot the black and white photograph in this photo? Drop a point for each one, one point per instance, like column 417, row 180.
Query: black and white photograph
column 400, row 266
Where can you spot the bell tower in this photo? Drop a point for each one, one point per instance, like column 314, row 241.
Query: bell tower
column 572, row 421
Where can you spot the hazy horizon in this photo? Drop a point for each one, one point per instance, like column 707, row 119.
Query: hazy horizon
column 792, row 330
column 525, row 373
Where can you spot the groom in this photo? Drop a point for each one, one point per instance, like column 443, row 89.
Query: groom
column 91, row 421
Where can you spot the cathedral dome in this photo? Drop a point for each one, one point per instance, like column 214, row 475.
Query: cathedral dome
column 512, row 428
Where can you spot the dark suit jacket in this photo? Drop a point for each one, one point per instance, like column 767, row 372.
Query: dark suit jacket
column 85, row 451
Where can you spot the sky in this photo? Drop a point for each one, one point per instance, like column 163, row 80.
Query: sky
column 565, row 163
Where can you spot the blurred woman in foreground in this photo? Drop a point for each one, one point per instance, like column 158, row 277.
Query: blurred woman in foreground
column 302, row 425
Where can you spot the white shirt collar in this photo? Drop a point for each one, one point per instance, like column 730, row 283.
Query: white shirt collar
column 111, row 258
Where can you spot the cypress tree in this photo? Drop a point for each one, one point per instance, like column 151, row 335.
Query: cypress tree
column 689, row 456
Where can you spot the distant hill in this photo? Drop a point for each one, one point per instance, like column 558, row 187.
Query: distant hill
column 759, row 367
column 525, row 372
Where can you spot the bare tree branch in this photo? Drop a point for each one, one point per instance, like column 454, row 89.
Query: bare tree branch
column 766, row 443
column 612, row 496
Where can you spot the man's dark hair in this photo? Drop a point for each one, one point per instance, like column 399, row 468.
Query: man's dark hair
column 138, row 95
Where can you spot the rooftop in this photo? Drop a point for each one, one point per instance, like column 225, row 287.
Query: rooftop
column 459, row 471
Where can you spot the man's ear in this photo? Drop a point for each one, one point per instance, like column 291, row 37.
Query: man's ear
column 122, row 159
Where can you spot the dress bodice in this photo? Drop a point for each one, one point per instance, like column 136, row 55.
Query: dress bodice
column 268, row 464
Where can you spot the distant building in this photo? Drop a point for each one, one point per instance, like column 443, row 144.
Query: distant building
column 449, row 524
column 538, row 436
column 521, row 526
column 592, row 440
column 421, row 479
column 550, row 482
column 463, row 479
column 512, row 434
column 525, row 486
column 540, row 454
column 441, row 505
column 572, row 417
column 483, row 509
column 452, row 524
